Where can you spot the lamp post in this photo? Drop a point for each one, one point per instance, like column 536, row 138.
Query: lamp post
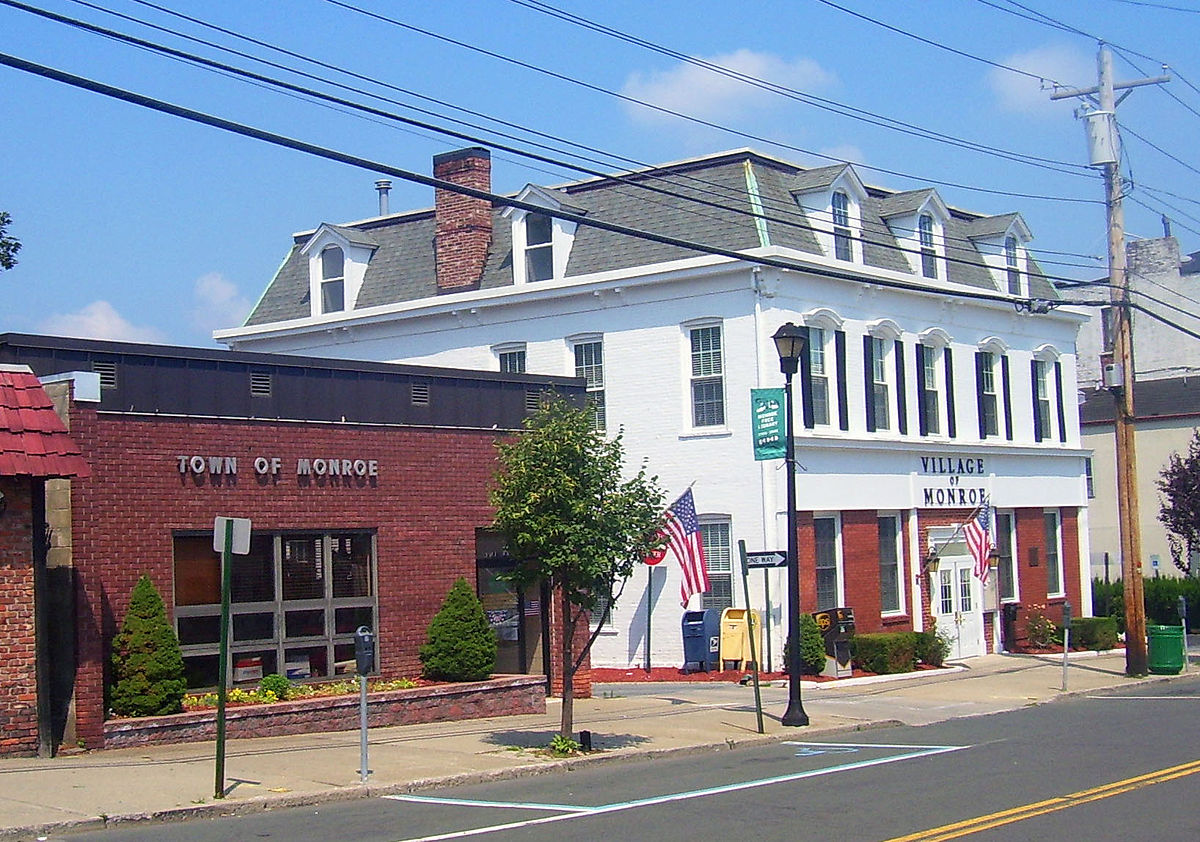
column 789, row 342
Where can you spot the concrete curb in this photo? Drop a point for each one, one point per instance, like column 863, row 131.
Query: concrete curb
column 266, row 803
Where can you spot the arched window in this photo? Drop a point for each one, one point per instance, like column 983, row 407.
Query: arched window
column 333, row 280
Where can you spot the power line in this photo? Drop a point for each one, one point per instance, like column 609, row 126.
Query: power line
column 1064, row 168
column 823, row 103
column 343, row 103
column 589, row 221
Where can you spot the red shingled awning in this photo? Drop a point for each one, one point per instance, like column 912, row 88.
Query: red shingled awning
column 33, row 440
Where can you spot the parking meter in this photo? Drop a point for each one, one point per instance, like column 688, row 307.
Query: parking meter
column 364, row 650
column 1183, row 609
column 1066, row 615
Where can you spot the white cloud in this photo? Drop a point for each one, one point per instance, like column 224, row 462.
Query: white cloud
column 711, row 96
column 98, row 320
column 217, row 303
column 1064, row 65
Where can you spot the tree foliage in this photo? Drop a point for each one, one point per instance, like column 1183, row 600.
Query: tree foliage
column 570, row 518
column 462, row 646
column 148, row 678
column 1179, row 483
column 9, row 245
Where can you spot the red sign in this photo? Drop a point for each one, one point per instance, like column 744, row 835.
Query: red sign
column 656, row 556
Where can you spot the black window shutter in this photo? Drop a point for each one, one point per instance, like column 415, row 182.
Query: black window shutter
column 1037, row 409
column 901, row 397
column 1006, row 382
column 922, row 393
column 869, row 380
column 1058, row 394
column 980, row 358
column 806, row 396
column 951, row 421
column 839, row 345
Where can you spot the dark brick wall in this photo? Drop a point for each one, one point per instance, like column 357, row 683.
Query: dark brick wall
column 18, row 653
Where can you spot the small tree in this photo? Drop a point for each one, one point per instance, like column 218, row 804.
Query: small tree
column 9, row 245
column 462, row 646
column 570, row 519
column 148, row 678
column 1179, row 483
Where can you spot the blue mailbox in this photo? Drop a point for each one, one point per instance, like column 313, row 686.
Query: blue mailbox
column 701, row 639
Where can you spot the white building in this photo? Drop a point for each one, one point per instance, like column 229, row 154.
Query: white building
column 929, row 385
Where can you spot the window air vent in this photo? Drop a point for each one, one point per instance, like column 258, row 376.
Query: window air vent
column 260, row 384
column 107, row 372
column 533, row 401
column 420, row 394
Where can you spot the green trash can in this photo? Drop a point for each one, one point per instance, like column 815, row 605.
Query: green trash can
column 1166, row 649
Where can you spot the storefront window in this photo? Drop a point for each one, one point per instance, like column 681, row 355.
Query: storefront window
column 825, row 533
column 297, row 599
column 889, row 564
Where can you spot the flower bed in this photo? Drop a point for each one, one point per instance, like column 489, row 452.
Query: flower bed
column 498, row 696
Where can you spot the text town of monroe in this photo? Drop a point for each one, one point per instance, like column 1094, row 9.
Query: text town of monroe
column 273, row 465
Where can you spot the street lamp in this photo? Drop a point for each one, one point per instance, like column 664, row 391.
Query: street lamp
column 789, row 342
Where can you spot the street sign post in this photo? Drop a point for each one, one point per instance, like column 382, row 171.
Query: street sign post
column 231, row 535
column 767, row 558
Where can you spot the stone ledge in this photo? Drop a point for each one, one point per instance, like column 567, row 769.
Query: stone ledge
column 499, row 696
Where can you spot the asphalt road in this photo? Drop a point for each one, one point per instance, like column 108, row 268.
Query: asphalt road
column 1109, row 766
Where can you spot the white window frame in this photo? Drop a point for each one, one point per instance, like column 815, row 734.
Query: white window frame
column 1015, row 278
column 1041, row 394
column 1014, row 557
column 931, row 376
column 839, row 567
column 716, row 566
column 841, row 215
column 882, row 364
column 593, row 375
column 500, row 352
column 900, row 610
column 926, row 237
column 696, row 375
column 562, row 234
column 329, row 282
column 823, row 364
column 1058, row 552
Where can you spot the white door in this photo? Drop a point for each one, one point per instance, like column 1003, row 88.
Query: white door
column 957, row 606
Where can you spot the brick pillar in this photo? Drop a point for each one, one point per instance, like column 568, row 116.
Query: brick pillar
column 18, row 641
column 463, row 224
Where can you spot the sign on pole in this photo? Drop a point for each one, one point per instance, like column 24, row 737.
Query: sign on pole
column 767, row 558
column 230, row 535
column 766, row 410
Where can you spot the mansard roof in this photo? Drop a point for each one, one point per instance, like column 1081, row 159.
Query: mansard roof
column 735, row 200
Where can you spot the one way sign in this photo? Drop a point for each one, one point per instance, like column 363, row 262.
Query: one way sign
column 767, row 558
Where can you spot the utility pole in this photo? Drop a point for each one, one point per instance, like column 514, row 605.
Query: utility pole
column 1104, row 151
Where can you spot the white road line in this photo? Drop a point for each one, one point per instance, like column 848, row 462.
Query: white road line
column 580, row 812
column 511, row 805
column 1146, row 698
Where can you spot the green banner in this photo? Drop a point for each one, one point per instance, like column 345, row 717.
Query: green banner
column 766, row 407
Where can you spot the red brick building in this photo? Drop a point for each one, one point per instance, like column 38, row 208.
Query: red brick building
column 366, row 485
column 34, row 446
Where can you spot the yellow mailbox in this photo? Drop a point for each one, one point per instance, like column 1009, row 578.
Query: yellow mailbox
column 735, row 638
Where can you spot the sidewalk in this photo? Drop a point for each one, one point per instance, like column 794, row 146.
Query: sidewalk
column 39, row 796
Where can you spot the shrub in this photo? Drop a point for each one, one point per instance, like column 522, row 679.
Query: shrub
column 812, row 647
column 932, row 647
column 277, row 684
column 1040, row 630
column 1097, row 633
column 147, row 666
column 884, row 653
column 462, row 646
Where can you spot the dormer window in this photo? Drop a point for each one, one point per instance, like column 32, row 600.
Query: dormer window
column 539, row 247
column 928, row 252
column 843, row 248
column 1010, row 262
column 333, row 280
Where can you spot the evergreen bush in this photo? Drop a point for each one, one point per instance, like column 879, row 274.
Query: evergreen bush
column 886, row 652
column 275, row 683
column 1099, row 633
column 932, row 647
column 147, row 667
column 812, row 647
column 462, row 646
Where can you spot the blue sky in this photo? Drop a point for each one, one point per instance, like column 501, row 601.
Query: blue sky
column 136, row 225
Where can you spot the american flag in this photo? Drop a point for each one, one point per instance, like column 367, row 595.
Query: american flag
column 979, row 539
column 683, row 539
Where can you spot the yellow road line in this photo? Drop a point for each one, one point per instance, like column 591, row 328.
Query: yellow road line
column 1050, row 805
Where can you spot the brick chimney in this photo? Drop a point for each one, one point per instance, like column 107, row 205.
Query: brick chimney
column 463, row 224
